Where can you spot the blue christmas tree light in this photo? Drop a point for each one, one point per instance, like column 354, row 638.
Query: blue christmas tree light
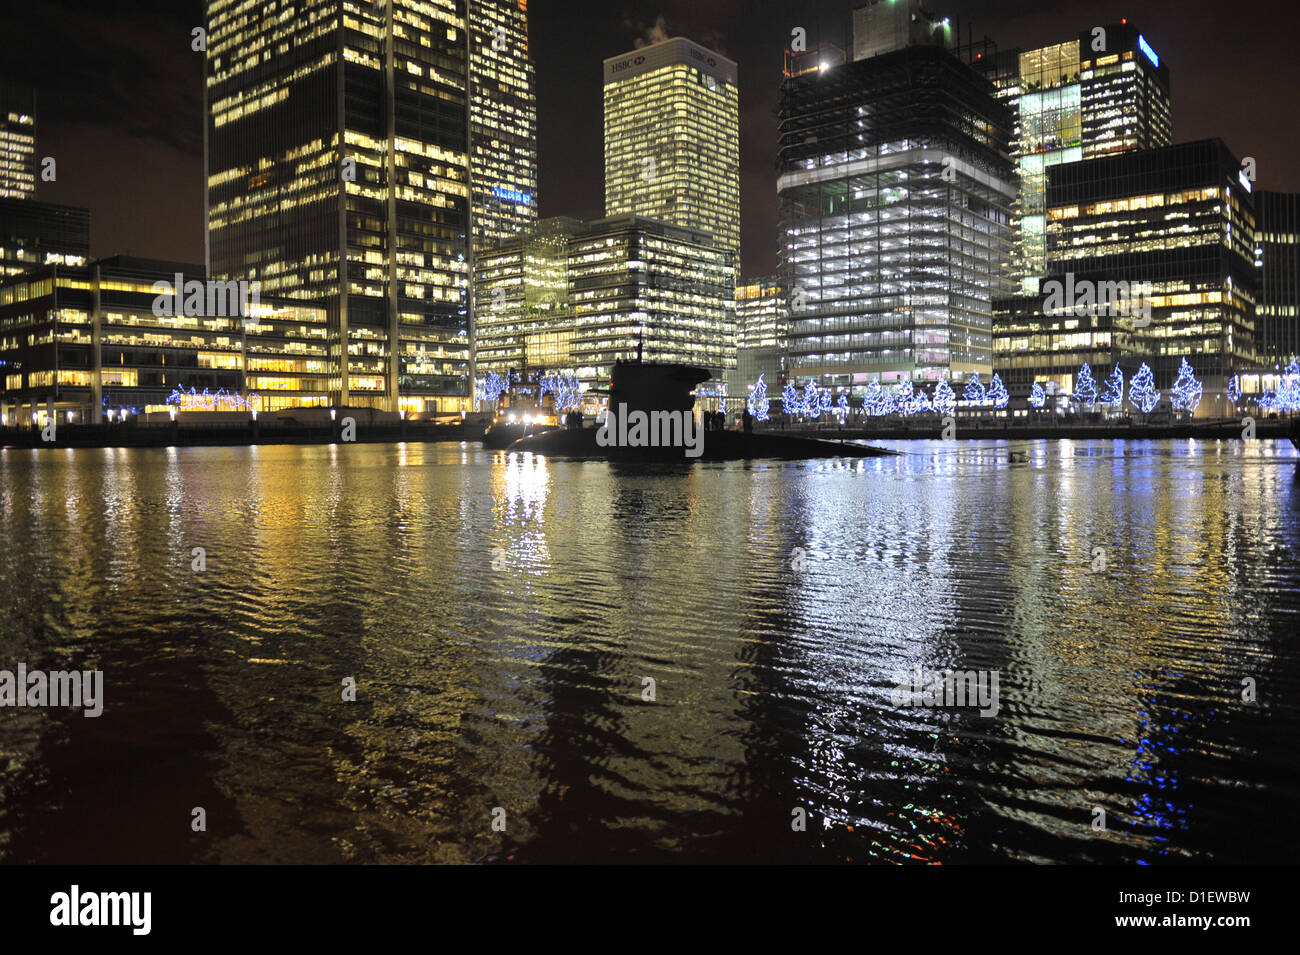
column 825, row 404
column 1142, row 390
column 871, row 398
column 997, row 392
column 1113, row 393
column 945, row 399
column 1185, row 394
column 758, row 403
column 811, row 403
column 974, row 390
column 1085, row 388
column 1037, row 396
column 790, row 399
column 1234, row 389
column 903, row 394
column 842, row 407
column 1288, row 392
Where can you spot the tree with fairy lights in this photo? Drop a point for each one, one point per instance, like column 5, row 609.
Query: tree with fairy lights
column 997, row 393
column 790, row 399
column 1234, row 389
column 758, row 402
column 871, row 398
column 1037, row 396
column 842, row 407
column 974, row 392
column 1113, row 393
column 1142, row 392
column 1085, row 388
column 903, row 396
column 1185, row 394
column 945, row 399
column 811, row 403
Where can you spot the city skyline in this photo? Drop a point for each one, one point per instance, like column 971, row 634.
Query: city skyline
column 131, row 149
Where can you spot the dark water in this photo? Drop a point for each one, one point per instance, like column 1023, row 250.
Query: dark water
column 500, row 614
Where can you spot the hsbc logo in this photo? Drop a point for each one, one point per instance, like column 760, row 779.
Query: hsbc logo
column 622, row 65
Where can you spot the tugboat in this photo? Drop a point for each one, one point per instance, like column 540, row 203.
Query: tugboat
column 521, row 411
column 651, row 418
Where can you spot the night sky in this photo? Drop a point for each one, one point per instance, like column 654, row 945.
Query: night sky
column 119, row 98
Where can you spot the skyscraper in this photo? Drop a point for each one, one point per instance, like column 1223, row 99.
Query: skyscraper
column 672, row 139
column 1277, row 260
column 576, row 297
column 503, row 121
column 33, row 234
column 341, row 169
column 1103, row 92
column 895, row 194
column 1179, row 220
column 17, row 141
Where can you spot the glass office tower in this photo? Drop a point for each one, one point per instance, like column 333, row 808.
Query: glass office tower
column 672, row 139
column 341, row 169
column 1098, row 94
column 1277, row 262
column 895, row 194
column 17, row 141
column 1181, row 219
column 575, row 297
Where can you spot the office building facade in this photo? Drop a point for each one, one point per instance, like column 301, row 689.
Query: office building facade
column 35, row 234
column 761, row 329
column 1277, row 263
column 576, row 297
column 895, row 195
column 17, row 141
column 1103, row 92
column 348, row 152
column 1175, row 228
column 672, row 139
column 91, row 339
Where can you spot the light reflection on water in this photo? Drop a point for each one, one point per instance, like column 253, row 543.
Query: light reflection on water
column 500, row 614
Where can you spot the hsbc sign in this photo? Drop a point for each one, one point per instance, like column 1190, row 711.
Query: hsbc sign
column 629, row 63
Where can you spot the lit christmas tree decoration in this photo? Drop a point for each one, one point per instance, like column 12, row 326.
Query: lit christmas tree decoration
column 1037, row 396
column 974, row 390
column 1185, row 394
column 1085, row 389
column 871, row 398
column 887, row 403
column 824, row 403
column 1113, row 393
column 997, row 393
column 920, row 403
column 842, row 407
column 1142, row 392
column 945, row 399
column 758, row 403
column 1234, row 389
column 903, row 395
column 811, row 403
column 790, row 399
